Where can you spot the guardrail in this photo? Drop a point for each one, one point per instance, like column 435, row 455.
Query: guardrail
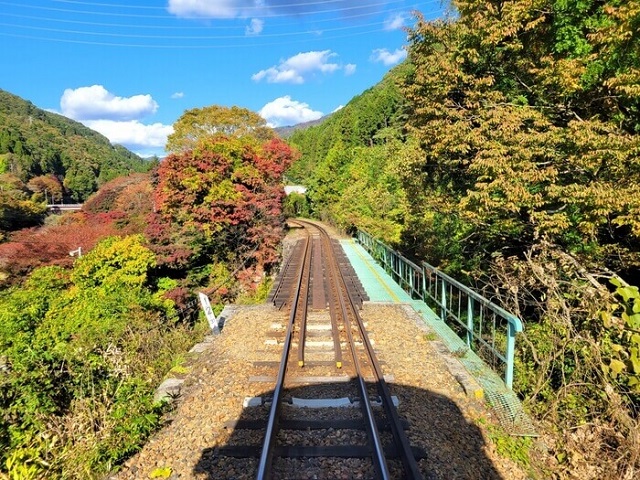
column 64, row 207
column 486, row 328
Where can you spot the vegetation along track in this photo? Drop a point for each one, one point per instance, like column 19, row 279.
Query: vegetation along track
column 331, row 408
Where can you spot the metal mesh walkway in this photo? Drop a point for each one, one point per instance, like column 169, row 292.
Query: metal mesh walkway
column 381, row 288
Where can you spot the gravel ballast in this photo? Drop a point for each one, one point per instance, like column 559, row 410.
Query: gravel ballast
column 443, row 419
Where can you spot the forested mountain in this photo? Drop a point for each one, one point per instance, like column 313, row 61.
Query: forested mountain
column 43, row 154
column 345, row 162
column 507, row 151
column 36, row 142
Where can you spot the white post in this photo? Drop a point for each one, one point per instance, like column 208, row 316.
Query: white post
column 208, row 312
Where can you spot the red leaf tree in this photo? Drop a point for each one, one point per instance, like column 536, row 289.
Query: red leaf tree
column 50, row 245
column 228, row 193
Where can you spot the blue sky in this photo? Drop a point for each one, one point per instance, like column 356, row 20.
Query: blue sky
column 130, row 69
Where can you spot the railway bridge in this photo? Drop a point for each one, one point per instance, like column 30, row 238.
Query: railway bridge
column 63, row 207
column 362, row 364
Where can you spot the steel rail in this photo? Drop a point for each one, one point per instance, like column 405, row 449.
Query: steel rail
column 305, row 305
column 283, row 272
column 378, row 457
column 402, row 442
column 266, row 456
column 333, row 315
column 348, row 310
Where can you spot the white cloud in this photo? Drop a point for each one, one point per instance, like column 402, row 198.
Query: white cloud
column 117, row 118
column 255, row 28
column 298, row 68
column 285, row 111
column 132, row 134
column 339, row 107
column 388, row 58
column 396, row 22
column 95, row 102
column 212, row 8
column 273, row 75
column 349, row 69
column 256, row 8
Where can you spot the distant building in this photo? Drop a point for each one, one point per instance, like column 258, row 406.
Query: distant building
column 289, row 189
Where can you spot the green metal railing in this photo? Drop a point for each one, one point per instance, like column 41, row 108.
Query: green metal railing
column 487, row 329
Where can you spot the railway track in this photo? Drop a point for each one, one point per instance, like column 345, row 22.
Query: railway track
column 331, row 409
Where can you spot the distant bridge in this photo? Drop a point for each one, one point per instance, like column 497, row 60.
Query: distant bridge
column 63, row 207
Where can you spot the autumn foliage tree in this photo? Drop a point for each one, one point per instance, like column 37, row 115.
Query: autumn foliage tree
column 226, row 196
column 520, row 113
column 121, row 206
column 47, row 186
column 525, row 173
column 17, row 209
column 202, row 123
column 50, row 245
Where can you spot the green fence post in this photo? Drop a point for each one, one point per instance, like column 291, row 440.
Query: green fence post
column 510, row 353
column 469, row 320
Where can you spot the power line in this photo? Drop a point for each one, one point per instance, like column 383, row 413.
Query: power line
column 177, row 47
column 179, row 37
column 266, row 14
column 190, row 27
column 177, row 41
column 128, row 5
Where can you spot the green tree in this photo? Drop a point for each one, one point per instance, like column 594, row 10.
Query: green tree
column 81, row 181
column 201, row 123
column 97, row 339
column 115, row 263
column 296, row 205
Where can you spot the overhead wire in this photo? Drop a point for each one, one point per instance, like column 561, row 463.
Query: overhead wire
column 266, row 13
column 194, row 27
column 308, row 34
column 185, row 37
column 120, row 5
column 178, row 47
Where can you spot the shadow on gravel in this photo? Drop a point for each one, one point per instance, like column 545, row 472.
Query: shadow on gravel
column 452, row 448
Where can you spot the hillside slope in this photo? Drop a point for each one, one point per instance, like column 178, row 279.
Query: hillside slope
column 369, row 119
column 345, row 161
column 288, row 130
column 34, row 142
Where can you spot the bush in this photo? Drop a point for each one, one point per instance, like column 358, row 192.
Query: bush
column 84, row 350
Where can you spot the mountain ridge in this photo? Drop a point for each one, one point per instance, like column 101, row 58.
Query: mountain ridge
column 288, row 130
column 35, row 142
